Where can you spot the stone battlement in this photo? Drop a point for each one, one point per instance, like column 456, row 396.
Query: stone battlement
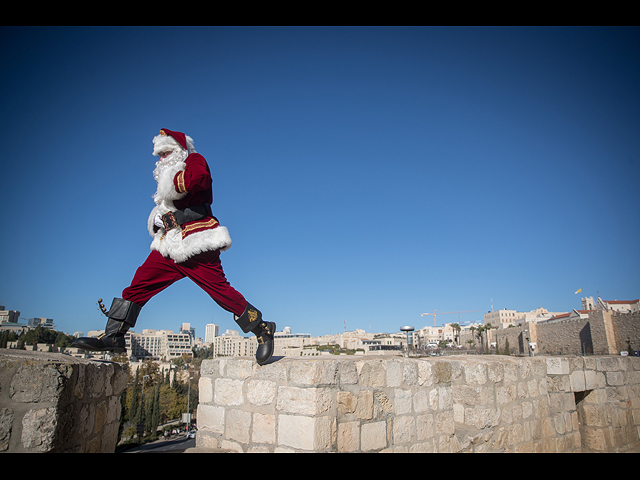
column 443, row 404
column 51, row 402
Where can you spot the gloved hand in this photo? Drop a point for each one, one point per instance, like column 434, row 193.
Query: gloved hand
column 157, row 221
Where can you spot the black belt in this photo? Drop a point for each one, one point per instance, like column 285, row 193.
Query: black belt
column 190, row 214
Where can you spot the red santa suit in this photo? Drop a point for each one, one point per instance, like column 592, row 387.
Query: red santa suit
column 193, row 248
column 187, row 241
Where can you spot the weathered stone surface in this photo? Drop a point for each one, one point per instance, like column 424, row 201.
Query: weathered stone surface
column 51, row 402
column 395, row 404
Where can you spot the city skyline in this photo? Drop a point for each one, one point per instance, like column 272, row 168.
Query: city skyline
column 443, row 323
column 366, row 174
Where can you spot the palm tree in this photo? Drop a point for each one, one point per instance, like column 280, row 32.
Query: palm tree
column 456, row 332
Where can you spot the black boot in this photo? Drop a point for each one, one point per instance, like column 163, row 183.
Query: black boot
column 251, row 321
column 122, row 316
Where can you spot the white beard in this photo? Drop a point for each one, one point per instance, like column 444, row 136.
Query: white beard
column 164, row 163
column 166, row 169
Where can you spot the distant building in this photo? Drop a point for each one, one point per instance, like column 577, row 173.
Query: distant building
column 42, row 322
column 9, row 321
column 186, row 328
column 621, row 306
column 231, row 344
column 158, row 344
column 9, row 316
column 503, row 318
column 210, row 332
column 507, row 318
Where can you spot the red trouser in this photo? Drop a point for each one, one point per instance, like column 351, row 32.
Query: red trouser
column 205, row 269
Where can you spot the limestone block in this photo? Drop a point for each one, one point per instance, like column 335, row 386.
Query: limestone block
column 594, row 439
column 577, row 379
column 238, row 426
column 211, row 418
column 264, row 428
column 348, row 373
column 364, row 406
column 371, row 373
column 373, row 436
column 475, row 374
column 205, row 390
column 614, row 378
column 311, row 372
column 557, row 366
column 305, row 433
column 39, row 383
column 445, row 398
column 443, row 372
column 472, row 394
column 347, row 402
column 410, row 374
column 425, row 374
column 261, row 392
column 304, row 401
column 402, row 401
column 384, row 402
column 6, row 419
column 227, row 391
column 444, row 422
column 395, row 373
column 403, row 429
column 239, row 368
column 349, row 437
column 425, row 427
column 38, row 429
column 421, row 401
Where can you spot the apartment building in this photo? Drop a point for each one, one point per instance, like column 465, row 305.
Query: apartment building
column 210, row 332
column 621, row 306
column 158, row 344
column 503, row 318
column 231, row 344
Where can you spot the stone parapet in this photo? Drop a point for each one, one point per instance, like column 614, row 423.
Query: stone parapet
column 56, row 403
column 444, row 404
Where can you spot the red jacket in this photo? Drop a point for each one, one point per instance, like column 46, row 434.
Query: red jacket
column 182, row 185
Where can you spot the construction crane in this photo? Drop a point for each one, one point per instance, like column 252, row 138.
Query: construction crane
column 445, row 313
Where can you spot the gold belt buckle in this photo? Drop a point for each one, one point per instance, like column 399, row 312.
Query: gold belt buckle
column 169, row 220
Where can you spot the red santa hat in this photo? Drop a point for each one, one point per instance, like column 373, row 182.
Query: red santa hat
column 180, row 137
column 170, row 140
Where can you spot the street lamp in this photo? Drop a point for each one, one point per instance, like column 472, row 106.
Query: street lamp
column 407, row 329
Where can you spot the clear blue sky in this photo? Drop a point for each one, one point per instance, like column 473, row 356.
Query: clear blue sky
column 365, row 174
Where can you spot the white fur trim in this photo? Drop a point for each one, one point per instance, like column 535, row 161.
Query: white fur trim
column 172, row 244
column 150, row 224
column 165, row 143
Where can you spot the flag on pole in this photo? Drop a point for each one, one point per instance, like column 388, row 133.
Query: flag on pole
column 577, row 291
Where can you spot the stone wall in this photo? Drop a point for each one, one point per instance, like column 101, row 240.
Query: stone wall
column 570, row 337
column 56, row 403
column 444, row 404
column 627, row 330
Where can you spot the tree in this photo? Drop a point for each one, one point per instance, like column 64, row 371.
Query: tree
column 456, row 332
column 506, row 347
column 133, row 405
column 479, row 332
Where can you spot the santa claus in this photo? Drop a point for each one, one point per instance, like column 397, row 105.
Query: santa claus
column 187, row 241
